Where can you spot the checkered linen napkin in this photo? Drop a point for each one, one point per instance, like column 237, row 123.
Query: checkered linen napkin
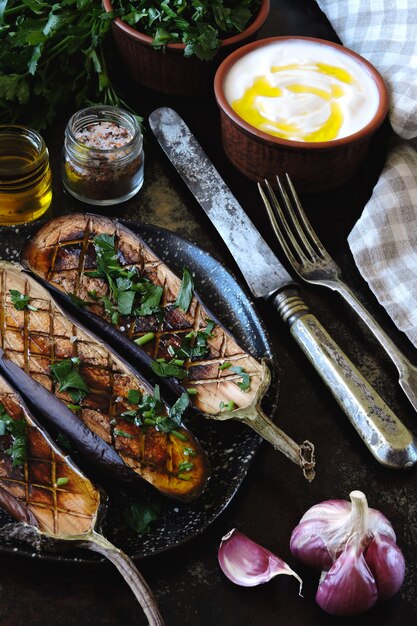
column 384, row 240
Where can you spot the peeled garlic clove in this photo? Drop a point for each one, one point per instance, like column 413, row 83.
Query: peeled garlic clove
column 386, row 562
column 307, row 545
column 348, row 587
column 248, row 564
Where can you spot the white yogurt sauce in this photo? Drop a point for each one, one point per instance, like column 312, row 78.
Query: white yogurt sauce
column 301, row 90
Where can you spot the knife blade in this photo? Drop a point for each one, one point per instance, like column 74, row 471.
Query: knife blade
column 387, row 438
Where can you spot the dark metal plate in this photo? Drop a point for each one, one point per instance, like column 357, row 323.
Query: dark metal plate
column 230, row 446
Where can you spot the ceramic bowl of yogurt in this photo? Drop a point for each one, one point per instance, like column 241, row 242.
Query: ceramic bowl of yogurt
column 299, row 105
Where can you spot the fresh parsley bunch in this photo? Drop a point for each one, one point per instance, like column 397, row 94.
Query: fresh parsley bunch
column 199, row 24
column 51, row 56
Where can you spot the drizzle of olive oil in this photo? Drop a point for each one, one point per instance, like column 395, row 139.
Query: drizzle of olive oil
column 248, row 108
column 25, row 180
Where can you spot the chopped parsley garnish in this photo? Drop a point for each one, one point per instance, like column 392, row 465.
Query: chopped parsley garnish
column 67, row 374
column 185, row 466
column 17, row 429
column 129, row 292
column 134, row 396
column 185, row 294
column 189, row 452
column 62, row 481
column 20, row 301
column 227, row 406
column 149, row 409
column 245, row 384
column 140, row 515
column 193, row 345
column 122, row 433
column 166, row 369
column 74, row 407
column 236, row 369
column 199, row 24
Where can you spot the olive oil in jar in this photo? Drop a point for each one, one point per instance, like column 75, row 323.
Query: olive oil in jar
column 25, row 175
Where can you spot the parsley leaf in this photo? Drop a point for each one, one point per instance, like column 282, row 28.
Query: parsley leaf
column 129, row 293
column 134, row 396
column 140, row 515
column 169, row 423
column 245, row 384
column 149, row 408
column 165, row 370
column 20, row 301
column 67, row 374
column 177, row 409
column 18, row 430
column 199, row 24
column 185, row 294
column 195, row 343
column 52, row 59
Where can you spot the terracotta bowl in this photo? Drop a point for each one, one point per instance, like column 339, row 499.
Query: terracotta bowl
column 313, row 166
column 169, row 71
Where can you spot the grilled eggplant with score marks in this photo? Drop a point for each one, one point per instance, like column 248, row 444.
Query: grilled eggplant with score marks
column 56, row 505
column 111, row 414
column 124, row 290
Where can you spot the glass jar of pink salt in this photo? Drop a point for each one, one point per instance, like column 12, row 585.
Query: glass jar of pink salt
column 103, row 159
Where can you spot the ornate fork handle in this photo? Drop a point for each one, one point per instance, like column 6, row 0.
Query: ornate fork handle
column 387, row 438
column 407, row 371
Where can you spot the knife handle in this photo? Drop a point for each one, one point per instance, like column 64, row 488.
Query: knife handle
column 387, row 438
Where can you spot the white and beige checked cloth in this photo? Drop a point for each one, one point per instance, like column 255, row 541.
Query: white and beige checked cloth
column 384, row 240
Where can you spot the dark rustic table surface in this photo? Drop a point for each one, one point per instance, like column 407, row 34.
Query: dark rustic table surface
column 187, row 582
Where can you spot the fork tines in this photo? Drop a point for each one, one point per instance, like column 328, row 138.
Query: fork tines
column 291, row 226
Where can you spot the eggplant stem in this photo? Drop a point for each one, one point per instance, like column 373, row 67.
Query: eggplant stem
column 97, row 543
column 91, row 540
column 254, row 417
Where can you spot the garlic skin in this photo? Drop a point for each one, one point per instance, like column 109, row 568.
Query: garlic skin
column 355, row 547
column 386, row 562
column 248, row 564
column 348, row 588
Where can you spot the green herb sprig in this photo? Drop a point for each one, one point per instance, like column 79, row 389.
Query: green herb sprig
column 20, row 301
column 18, row 430
column 129, row 292
column 193, row 345
column 140, row 515
column 199, row 24
column 52, row 58
column 185, row 294
column 149, row 408
column 67, row 373
column 245, row 383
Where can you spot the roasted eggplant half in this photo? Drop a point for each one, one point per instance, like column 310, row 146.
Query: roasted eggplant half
column 102, row 394
column 57, row 506
column 122, row 287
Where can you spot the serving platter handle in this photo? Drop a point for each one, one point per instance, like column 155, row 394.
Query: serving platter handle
column 385, row 436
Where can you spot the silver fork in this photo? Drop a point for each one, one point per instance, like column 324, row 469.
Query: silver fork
column 313, row 264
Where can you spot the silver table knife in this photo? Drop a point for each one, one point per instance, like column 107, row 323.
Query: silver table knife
column 390, row 442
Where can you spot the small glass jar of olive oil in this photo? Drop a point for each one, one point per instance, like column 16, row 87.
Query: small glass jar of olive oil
column 25, row 175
